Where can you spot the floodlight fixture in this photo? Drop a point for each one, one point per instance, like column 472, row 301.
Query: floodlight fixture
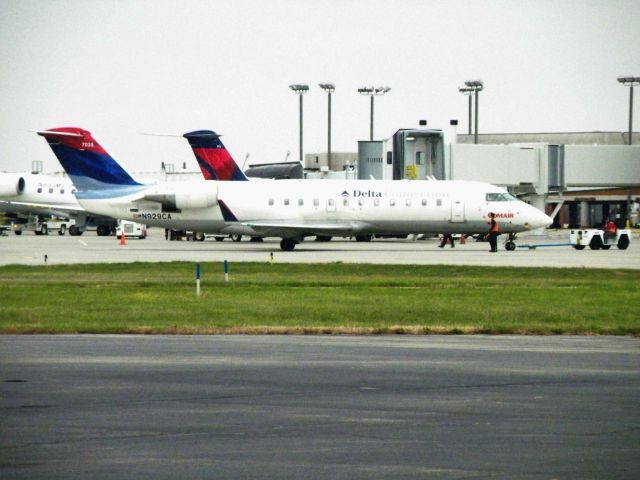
column 300, row 90
column 630, row 81
column 476, row 85
column 327, row 87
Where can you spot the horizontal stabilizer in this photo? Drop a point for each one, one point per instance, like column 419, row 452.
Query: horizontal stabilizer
column 45, row 133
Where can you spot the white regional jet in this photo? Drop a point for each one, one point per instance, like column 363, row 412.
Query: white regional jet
column 28, row 195
column 289, row 209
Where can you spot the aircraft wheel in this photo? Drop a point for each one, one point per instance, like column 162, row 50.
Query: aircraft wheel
column 287, row 244
column 510, row 246
column 623, row 242
column 579, row 247
column 219, row 239
column 363, row 238
column 103, row 231
column 74, row 231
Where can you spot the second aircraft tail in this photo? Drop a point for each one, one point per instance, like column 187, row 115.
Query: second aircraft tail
column 214, row 160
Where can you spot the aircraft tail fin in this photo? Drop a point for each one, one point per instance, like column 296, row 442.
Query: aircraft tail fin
column 213, row 158
column 88, row 165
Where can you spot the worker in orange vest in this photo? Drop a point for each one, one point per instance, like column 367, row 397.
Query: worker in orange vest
column 610, row 230
column 494, row 231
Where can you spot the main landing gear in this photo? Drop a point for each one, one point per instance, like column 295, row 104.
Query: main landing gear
column 288, row 244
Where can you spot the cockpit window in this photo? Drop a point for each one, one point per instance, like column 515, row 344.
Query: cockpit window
column 500, row 197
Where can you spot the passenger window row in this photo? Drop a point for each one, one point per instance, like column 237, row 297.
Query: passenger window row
column 360, row 202
column 51, row 190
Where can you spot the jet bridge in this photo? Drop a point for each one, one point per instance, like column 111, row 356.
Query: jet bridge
column 541, row 168
column 414, row 154
column 536, row 170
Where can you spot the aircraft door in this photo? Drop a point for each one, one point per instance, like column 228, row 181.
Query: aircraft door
column 457, row 211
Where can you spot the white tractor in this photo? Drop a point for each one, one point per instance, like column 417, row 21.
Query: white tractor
column 597, row 240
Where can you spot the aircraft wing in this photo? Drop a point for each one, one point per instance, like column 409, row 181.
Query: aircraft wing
column 51, row 209
column 291, row 229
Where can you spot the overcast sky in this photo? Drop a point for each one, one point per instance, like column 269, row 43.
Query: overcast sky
column 117, row 68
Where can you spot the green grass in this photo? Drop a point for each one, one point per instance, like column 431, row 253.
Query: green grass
column 319, row 298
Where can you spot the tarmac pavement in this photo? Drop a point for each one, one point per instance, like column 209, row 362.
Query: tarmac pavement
column 29, row 249
column 288, row 407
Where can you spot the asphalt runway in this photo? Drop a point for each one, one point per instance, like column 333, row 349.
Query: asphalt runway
column 287, row 407
column 29, row 249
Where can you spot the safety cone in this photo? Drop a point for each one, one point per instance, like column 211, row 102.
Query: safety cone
column 123, row 239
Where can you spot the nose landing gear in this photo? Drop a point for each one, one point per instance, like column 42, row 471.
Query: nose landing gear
column 510, row 244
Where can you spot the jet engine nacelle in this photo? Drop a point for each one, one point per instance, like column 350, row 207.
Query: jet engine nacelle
column 11, row 185
column 196, row 200
column 185, row 195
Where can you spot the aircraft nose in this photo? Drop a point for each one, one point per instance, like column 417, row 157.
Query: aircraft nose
column 540, row 219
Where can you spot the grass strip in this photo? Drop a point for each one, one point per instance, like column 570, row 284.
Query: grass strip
column 317, row 299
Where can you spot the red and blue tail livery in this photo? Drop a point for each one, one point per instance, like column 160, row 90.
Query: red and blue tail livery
column 213, row 158
column 88, row 165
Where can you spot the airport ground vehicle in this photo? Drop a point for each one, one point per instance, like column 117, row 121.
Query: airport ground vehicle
column 595, row 239
column 42, row 226
column 131, row 229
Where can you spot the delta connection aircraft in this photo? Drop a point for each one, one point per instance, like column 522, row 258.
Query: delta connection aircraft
column 24, row 195
column 289, row 209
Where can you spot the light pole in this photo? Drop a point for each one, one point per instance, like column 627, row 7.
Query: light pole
column 329, row 88
column 476, row 86
column 630, row 82
column 300, row 90
column 371, row 91
column 468, row 92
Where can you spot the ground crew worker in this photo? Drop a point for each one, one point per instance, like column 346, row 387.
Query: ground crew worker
column 445, row 237
column 494, row 231
column 610, row 230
